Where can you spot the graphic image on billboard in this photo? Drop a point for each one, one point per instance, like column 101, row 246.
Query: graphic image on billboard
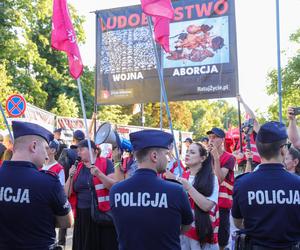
column 198, row 42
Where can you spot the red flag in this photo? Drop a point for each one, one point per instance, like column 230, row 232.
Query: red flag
column 63, row 37
column 162, row 13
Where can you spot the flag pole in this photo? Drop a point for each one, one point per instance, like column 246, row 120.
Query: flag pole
column 85, row 121
column 240, row 125
column 161, row 95
column 6, row 123
column 164, row 93
column 63, row 38
column 279, row 80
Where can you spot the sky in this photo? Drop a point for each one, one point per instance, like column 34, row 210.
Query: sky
column 256, row 41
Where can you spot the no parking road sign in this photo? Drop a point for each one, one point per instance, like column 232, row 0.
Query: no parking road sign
column 15, row 105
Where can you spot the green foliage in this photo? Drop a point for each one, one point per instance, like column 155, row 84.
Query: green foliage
column 180, row 115
column 290, row 83
column 114, row 114
column 29, row 65
column 207, row 114
column 36, row 70
column 194, row 116
column 5, row 91
column 87, row 85
column 65, row 106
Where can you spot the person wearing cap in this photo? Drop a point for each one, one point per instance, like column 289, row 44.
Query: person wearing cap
column 57, row 133
column 266, row 202
column 223, row 167
column 149, row 212
column 32, row 202
column 188, row 141
column 51, row 164
column 68, row 158
column 247, row 157
column 62, row 143
column 95, row 174
column 204, row 140
column 69, row 155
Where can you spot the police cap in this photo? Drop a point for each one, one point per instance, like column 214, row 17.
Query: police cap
column 189, row 140
column 28, row 128
column 204, row 139
column 57, row 130
column 78, row 135
column 54, row 144
column 271, row 132
column 150, row 138
column 216, row 131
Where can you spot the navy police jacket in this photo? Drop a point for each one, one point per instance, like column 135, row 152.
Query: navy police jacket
column 29, row 202
column 268, row 200
column 149, row 211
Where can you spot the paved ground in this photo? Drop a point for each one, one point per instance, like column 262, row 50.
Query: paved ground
column 70, row 233
column 69, row 239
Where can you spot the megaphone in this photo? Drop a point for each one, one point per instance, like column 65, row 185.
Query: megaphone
column 105, row 134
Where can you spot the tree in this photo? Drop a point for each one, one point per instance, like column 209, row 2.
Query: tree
column 194, row 116
column 181, row 116
column 37, row 71
column 65, row 106
column 88, row 91
column 114, row 114
column 207, row 114
column 290, row 82
column 5, row 90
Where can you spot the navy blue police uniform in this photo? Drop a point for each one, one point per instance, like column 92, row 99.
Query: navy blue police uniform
column 268, row 199
column 29, row 200
column 147, row 210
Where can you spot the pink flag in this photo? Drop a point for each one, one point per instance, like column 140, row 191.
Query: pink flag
column 63, row 37
column 162, row 13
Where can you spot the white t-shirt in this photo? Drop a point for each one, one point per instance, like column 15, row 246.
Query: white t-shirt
column 215, row 194
column 61, row 174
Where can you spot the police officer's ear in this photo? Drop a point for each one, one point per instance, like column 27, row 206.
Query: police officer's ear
column 283, row 152
column 33, row 146
column 53, row 150
column 154, row 155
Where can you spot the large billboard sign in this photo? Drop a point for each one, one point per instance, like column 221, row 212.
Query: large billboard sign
column 202, row 63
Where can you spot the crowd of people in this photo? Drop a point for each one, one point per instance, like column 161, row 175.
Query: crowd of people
column 146, row 199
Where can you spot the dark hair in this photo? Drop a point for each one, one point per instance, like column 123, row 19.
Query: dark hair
column 269, row 150
column 295, row 153
column 84, row 144
column 141, row 154
column 204, row 184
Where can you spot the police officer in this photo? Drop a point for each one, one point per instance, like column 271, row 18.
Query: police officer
column 149, row 212
column 32, row 202
column 266, row 203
